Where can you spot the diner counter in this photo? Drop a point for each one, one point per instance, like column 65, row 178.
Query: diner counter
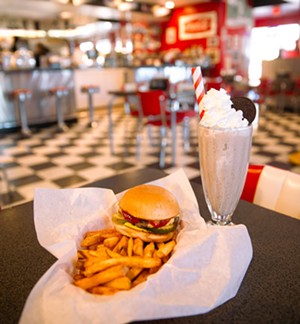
column 269, row 292
column 106, row 79
column 40, row 108
column 31, row 69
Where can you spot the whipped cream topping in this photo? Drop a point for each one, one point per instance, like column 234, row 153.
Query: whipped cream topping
column 218, row 111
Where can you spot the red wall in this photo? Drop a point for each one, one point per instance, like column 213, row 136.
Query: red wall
column 293, row 18
column 219, row 7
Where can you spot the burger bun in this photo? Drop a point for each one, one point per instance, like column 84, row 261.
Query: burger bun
column 149, row 202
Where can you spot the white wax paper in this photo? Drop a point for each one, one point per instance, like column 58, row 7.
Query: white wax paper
column 206, row 269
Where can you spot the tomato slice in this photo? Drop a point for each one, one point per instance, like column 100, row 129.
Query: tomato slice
column 159, row 223
column 134, row 220
column 131, row 219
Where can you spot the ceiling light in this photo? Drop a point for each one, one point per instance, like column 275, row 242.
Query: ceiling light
column 65, row 15
column 124, row 6
column 127, row 5
column 104, row 46
column 61, row 33
column 86, row 46
column 77, row 2
column 159, row 11
column 22, row 33
column 169, row 4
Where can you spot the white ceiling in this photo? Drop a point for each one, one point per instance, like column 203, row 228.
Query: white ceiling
column 50, row 9
column 43, row 10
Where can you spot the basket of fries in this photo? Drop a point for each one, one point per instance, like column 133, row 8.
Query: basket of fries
column 102, row 276
column 111, row 262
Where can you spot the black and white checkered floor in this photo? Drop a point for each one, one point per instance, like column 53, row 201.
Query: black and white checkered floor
column 59, row 160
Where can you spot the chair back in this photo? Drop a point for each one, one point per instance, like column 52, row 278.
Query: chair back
column 215, row 83
column 273, row 188
column 152, row 102
column 253, row 174
column 159, row 84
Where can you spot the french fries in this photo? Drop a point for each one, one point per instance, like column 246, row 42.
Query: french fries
column 102, row 277
column 110, row 262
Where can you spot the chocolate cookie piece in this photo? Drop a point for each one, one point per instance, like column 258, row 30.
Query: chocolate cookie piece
column 246, row 106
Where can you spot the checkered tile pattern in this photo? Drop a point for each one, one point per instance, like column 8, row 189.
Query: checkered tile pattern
column 60, row 160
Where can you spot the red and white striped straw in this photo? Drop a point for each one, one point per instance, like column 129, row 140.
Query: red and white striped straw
column 198, row 83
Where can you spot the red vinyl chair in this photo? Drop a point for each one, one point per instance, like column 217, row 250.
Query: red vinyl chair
column 159, row 84
column 290, row 91
column 253, row 174
column 153, row 108
column 268, row 94
column 263, row 91
column 215, row 83
column 273, row 188
column 184, row 92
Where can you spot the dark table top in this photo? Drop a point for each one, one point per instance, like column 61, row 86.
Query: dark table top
column 123, row 93
column 269, row 293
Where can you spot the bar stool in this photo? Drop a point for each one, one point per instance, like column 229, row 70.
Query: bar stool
column 59, row 93
column 90, row 90
column 20, row 96
column 10, row 188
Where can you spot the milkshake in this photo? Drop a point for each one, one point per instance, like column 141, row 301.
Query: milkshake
column 225, row 138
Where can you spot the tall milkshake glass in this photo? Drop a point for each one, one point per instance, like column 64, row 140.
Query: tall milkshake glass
column 224, row 157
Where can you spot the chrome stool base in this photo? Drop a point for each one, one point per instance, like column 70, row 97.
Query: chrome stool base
column 59, row 93
column 92, row 124
column 21, row 95
column 26, row 132
column 62, row 128
column 90, row 90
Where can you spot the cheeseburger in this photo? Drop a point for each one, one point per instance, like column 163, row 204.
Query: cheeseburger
column 148, row 212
